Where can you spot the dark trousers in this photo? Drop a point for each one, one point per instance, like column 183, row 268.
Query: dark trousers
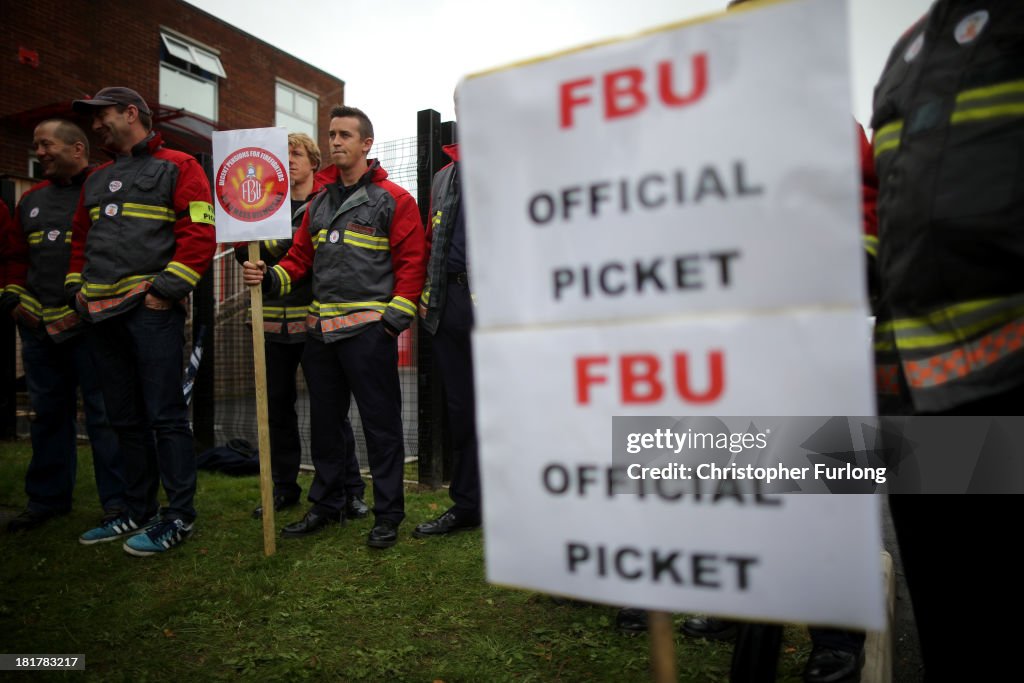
column 365, row 366
column 139, row 355
column 285, row 445
column 53, row 373
column 455, row 359
column 954, row 553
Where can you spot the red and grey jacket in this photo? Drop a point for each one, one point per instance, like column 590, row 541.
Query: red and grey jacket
column 949, row 130
column 365, row 248
column 144, row 224
column 284, row 315
column 39, row 251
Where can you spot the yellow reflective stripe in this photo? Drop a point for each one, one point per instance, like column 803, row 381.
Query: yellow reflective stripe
column 871, row 245
column 30, row 303
column 991, row 91
column 35, row 237
column 284, row 278
column 939, row 316
column 286, row 312
column 201, row 212
column 160, row 213
column 981, row 113
column 119, row 287
column 956, row 323
column 403, row 305
column 94, row 213
column 184, row 272
column 367, row 241
column 436, row 220
column 72, row 279
column 341, row 308
column 56, row 313
column 425, row 296
column 888, row 137
column 274, row 247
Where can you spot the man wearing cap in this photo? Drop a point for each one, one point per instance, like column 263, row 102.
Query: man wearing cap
column 58, row 357
column 141, row 239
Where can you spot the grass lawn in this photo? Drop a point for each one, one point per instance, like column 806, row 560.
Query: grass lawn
column 323, row 608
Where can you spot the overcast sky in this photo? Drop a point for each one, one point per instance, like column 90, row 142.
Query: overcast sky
column 399, row 56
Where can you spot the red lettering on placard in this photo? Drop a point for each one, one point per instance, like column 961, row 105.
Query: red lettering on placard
column 643, row 377
column 639, row 376
column 624, row 93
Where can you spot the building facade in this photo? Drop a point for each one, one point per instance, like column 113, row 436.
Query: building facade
column 197, row 72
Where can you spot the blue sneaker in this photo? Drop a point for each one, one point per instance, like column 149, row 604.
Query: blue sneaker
column 118, row 527
column 159, row 538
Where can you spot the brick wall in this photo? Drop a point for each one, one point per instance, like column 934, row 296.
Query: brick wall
column 84, row 45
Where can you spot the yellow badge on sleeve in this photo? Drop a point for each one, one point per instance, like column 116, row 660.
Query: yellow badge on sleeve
column 201, row 212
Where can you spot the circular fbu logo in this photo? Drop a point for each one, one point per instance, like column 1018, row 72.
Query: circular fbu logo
column 34, row 212
column 110, row 210
column 115, row 185
column 53, row 235
column 334, row 236
column 251, row 184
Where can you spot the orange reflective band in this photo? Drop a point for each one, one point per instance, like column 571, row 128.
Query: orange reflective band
column 944, row 367
column 104, row 304
column 350, row 320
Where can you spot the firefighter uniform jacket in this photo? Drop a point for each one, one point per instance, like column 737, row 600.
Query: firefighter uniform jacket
column 144, row 223
column 949, row 148
column 39, row 251
column 444, row 205
column 284, row 316
column 366, row 250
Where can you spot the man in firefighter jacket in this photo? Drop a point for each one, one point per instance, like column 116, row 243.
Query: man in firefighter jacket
column 141, row 239
column 447, row 311
column 363, row 243
column 949, row 147
column 58, row 357
column 284, row 329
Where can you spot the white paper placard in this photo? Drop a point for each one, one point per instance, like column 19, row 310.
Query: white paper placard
column 670, row 225
column 742, row 196
column 251, row 187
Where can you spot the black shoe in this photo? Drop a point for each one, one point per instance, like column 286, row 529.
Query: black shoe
column 280, row 503
column 29, row 519
column 383, row 535
column 447, row 523
column 631, row 620
column 828, row 665
column 356, row 508
column 710, row 628
column 312, row 523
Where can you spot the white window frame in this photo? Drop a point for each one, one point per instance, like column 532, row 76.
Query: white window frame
column 296, row 90
column 187, row 75
column 189, row 51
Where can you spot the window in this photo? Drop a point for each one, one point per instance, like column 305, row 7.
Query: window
column 193, row 54
column 189, row 76
column 296, row 110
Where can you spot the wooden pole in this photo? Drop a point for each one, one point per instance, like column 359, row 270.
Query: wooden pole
column 262, row 417
column 663, row 647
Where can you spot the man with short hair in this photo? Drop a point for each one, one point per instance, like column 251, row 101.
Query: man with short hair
column 141, row 239
column 57, row 355
column 368, row 269
column 284, row 330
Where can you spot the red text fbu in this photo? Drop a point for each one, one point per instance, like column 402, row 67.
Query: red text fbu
column 644, row 377
column 625, row 92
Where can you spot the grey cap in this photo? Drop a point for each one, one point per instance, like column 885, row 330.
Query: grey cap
column 110, row 96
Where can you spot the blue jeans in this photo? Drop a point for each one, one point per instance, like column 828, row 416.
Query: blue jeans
column 53, row 373
column 139, row 354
